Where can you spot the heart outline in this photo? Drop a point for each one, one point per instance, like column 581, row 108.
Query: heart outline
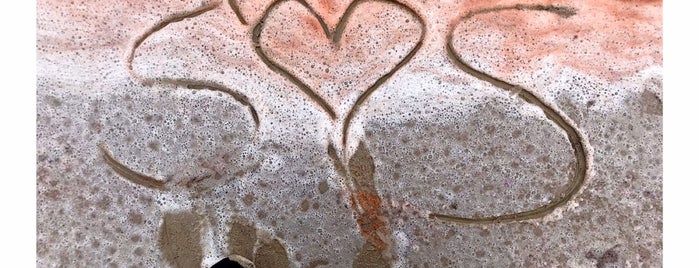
column 335, row 37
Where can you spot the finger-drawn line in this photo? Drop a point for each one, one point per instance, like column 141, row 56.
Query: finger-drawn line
column 129, row 174
column 385, row 77
column 257, row 33
column 335, row 36
column 335, row 158
column 159, row 26
column 145, row 180
column 187, row 83
column 195, row 180
column 214, row 86
column 574, row 135
column 236, row 9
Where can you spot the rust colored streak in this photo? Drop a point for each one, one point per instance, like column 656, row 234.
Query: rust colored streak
column 608, row 39
column 372, row 225
column 642, row 1
column 312, row 24
column 330, row 10
column 93, row 25
column 366, row 201
column 324, row 7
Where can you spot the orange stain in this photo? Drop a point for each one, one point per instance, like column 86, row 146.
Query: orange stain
column 324, row 7
column 608, row 39
column 370, row 220
column 312, row 23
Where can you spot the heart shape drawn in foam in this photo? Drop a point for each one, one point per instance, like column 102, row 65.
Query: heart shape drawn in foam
column 338, row 69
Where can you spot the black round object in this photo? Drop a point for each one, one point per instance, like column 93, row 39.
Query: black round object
column 227, row 263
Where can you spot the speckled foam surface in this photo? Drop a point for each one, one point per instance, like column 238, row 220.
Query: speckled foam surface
column 334, row 133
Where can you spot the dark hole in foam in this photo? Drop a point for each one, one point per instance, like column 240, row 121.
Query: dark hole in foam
column 227, row 263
